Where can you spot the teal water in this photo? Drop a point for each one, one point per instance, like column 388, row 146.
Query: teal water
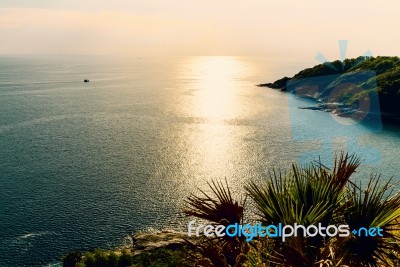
column 84, row 165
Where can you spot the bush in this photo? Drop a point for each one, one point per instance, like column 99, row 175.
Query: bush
column 312, row 195
column 72, row 259
column 163, row 258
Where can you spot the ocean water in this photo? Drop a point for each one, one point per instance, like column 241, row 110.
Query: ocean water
column 85, row 165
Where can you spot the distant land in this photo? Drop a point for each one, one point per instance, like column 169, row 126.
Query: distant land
column 385, row 82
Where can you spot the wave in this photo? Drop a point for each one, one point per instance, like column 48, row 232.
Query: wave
column 33, row 235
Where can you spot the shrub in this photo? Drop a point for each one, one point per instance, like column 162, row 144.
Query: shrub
column 308, row 195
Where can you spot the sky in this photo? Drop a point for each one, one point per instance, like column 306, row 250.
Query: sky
column 283, row 28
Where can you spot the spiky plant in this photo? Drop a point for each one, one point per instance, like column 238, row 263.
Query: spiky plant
column 307, row 195
column 375, row 206
column 222, row 209
column 297, row 196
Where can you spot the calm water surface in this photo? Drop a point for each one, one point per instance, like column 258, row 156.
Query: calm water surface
column 84, row 165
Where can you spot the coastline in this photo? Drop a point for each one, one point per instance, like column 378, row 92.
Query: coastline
column 363, row 87
column 339, row 109
column 146, row 249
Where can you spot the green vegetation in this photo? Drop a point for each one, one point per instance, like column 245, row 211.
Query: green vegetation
column 98, row 258
column 164, row 258
column 308, row 195
column 387, row 71
column 161, row 257
column 223, row 210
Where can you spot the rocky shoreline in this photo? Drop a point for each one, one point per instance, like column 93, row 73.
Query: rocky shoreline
column 377, row 78
column 169, row 239
column 157, row 248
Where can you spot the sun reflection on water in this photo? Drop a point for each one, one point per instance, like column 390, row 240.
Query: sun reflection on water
column 216, row 102
column 216, row 87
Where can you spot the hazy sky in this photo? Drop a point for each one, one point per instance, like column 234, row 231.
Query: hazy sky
column 207, row 27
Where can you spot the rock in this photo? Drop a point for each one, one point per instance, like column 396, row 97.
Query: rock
column 155, row 240
column 279, row 84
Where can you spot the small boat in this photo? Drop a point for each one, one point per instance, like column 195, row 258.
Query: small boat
column 86, row 80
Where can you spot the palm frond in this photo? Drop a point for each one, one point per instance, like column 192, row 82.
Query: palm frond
column 307, row 195
column 220, row 208
column 373, row 206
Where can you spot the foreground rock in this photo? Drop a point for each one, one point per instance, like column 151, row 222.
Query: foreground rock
column 164, row 239
column 155, row 249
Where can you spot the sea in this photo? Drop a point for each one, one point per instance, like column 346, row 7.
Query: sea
column 85, row 165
